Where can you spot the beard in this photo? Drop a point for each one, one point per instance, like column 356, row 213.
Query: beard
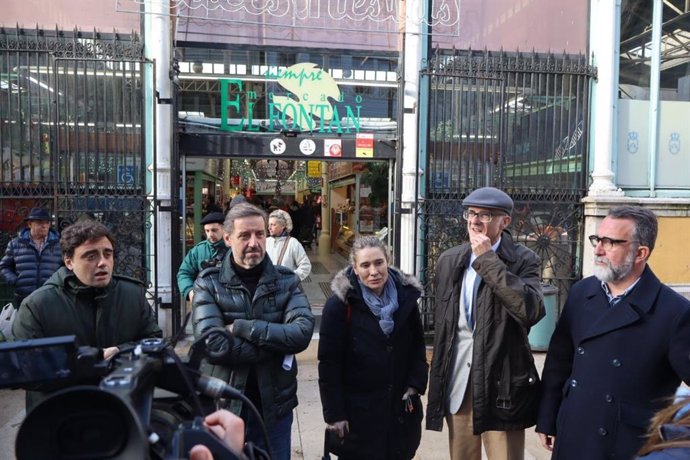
column 611, row 273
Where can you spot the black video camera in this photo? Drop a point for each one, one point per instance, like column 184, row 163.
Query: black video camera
column 101, row 409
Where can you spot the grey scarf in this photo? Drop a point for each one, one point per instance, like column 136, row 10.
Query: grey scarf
column 382, row 307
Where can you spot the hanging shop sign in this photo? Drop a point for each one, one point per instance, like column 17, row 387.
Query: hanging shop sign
column 307, row 99
column 313, row 169
column 364, row 145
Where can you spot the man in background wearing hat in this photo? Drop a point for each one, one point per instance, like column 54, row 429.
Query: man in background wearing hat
column 488, row 294
column 207, row 253
column 32, row 257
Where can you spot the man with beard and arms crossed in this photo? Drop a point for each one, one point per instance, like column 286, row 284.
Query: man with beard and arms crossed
column 270, row 319
column 84, row 298
column 620, row 348
column 488, row 294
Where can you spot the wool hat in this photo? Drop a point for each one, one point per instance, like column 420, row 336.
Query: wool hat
column 490, row 198
column 38, row 214
column 213, row 218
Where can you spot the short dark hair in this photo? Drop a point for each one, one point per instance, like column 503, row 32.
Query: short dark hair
column 646, row 225
column 368, row 241
column 240, row 211
column 80, row 232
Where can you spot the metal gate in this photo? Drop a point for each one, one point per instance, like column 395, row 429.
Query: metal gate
column 73, row 139
column 516, row 122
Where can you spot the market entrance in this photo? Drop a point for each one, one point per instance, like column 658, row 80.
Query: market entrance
column 330, row 203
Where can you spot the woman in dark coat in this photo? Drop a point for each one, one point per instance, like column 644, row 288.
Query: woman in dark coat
column 372, row 358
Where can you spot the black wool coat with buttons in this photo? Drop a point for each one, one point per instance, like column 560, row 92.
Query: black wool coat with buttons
column 363, row 374
column 609, row 369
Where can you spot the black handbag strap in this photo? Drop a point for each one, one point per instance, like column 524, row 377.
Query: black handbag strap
column 326, row 452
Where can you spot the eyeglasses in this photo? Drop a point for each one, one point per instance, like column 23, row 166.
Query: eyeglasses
column 606, row 242
column 484, row 217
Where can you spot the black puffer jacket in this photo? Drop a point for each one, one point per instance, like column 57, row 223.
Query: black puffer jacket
column 24, row 268
column 276, row 322
column 363, row 374
column 505, row 384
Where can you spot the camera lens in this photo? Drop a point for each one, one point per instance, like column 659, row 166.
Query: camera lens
column 82, row 423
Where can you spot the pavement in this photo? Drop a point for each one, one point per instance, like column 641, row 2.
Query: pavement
column 308, row 427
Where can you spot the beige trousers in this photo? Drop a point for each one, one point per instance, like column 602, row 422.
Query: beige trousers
column 464, row 445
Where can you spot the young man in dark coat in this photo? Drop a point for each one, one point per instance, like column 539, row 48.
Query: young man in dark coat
column 32, row 257
column 488, row 294
column 620, row 348
column 85, row 299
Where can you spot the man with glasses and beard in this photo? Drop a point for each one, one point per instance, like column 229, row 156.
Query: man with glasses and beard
column 620, row 349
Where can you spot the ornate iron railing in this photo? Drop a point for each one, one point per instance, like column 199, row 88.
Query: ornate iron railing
column 72, row 138
column 513, row 121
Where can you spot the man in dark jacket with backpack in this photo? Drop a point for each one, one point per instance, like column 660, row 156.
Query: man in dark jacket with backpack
column 32, row 257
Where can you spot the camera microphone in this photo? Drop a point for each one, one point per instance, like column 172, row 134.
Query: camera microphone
column 216, row 388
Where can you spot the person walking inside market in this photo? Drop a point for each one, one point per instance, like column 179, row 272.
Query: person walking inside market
column 32, row 257
column 282, row 248
column 620, row 348
column 204, row 254
column 488, row 294
column 372, row 358
column 270, row 318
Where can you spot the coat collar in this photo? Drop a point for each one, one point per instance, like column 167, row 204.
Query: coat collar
column 629, row 310
column 345, row 281
column 506, row 252
column 228, row 276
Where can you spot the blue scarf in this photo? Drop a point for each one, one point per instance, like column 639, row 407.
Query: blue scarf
column 382, row 307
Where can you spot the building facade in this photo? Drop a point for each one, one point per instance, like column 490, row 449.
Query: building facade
column 571, row 108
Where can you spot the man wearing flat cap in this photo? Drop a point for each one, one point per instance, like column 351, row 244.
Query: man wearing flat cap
column 205, row 254
column 483, row 381
column 32, row 257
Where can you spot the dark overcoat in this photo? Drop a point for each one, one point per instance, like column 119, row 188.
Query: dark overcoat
column 609, row 369
column 509, row 301
column 363, row 374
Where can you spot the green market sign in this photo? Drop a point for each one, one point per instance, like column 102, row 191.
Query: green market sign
column 308, row 103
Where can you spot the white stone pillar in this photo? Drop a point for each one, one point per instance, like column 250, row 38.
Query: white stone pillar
column 604, row 40
column 410, row 136
column 157, row 46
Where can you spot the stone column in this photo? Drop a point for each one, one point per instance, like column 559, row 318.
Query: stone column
column 604, row 39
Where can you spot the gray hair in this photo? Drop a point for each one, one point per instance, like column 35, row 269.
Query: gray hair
column 240, row 211
column 368, row 241
column 283, row 217
column 646, row 225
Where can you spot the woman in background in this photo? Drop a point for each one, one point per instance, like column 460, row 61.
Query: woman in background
column 284, row 249
column 372, row 358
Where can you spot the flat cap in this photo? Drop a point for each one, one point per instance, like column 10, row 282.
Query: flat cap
column 490, row 198
column 213, row 218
